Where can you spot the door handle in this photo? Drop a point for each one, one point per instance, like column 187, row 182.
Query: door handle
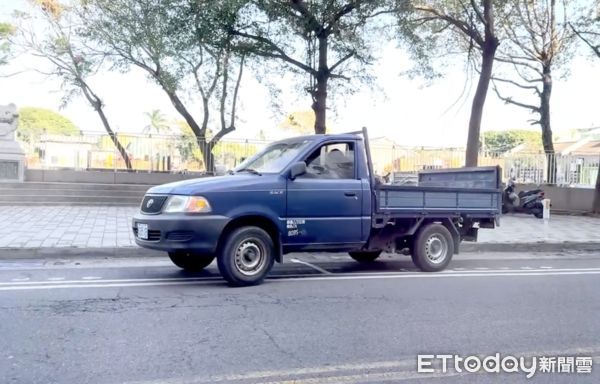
column 350, row 194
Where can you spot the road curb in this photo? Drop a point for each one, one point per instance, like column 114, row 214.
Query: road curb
column 137, row 252
column 530, row 247
column 77, row 252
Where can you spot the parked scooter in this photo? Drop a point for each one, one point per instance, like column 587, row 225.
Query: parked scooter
column 524, row 201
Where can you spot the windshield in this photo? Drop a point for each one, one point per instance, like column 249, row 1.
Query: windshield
column 274, row 158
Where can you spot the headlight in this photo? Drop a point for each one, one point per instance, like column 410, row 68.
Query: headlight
column 187, row 204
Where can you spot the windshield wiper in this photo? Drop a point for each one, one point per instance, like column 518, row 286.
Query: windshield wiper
column 250, row 170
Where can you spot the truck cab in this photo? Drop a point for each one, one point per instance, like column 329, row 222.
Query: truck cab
column 309, row 193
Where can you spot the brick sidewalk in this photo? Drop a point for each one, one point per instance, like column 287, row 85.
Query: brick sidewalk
column 110, row 227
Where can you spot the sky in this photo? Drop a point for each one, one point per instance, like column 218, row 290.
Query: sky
column 411, row 112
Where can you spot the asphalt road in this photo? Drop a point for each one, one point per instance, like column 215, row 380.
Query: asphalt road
column 318, row 319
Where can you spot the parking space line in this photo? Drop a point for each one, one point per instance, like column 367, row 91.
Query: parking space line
column 315, row 267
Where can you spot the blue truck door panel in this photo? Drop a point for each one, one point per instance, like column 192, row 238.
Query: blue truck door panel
column 324, row 211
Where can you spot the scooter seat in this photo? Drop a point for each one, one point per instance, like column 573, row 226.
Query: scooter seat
column 530, row 192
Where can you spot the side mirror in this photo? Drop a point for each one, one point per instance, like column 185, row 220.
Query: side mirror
column 298, row 169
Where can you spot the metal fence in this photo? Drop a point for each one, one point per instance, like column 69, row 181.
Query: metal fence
column 182, row 153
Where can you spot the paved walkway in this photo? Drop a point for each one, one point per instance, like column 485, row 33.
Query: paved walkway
column 110, row 227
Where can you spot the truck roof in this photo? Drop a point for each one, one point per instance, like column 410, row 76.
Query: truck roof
column 322, row 137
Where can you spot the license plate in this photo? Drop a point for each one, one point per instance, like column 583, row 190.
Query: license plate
column 142, row 231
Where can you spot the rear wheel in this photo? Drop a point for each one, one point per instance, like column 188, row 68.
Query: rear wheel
column 365, row 256
column 189, row 261
column 247, row 256
column 433, row 248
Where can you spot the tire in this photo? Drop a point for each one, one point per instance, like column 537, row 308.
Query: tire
column 433, row 248
column 246, row 257
column 189, row 261
column 365, row 256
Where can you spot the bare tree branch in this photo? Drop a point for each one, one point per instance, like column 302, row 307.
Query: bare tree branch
column 509, row 100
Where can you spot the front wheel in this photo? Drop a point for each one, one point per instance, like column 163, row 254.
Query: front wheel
column 365, row 256
column 189, row 261
column 247, row 256
column 433, row 248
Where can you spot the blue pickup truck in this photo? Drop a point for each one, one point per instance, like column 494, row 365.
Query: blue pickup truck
column 315, row 193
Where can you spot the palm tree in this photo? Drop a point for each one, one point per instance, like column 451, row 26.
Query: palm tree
column 157, row 124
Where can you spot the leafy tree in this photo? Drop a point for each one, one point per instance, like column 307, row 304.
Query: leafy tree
column 538, row 41
column 6, row 30
column 324, row 40
column 503, row 141
column 34, row 122
column 301, row 122
column 49, row 32
column 467, row 27
column 157, row 122
column 587, row 30
column 178, row 46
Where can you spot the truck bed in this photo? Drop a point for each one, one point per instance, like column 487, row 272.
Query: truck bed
column 467, row 192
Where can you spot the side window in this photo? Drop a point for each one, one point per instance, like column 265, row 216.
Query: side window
column 331, row 161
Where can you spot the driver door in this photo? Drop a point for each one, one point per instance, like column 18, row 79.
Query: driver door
column 324, row 205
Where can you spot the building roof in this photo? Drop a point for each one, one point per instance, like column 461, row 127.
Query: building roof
column 589, row 148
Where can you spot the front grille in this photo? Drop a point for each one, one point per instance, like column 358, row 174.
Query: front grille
column 153, row 235
column 180, row 236
column 153, row 203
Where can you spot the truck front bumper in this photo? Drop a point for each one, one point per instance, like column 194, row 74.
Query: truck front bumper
column 173, row 232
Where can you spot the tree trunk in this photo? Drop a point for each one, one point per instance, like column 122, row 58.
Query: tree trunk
column 546, row 127
column 114, row 138
column 208, row 157
column 487, row 63
column 319, row 105
column 596, row 205
column 96, row 103
column 199, row 132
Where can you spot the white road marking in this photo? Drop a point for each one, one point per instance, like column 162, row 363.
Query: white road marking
column 458, row 269
column 527, row 269
column 346, row 373
column 90, row 285
column 91, row 278
column 20, row 279
column 315, row 267
column 391, row 376
column 481, row 269
column 40, row 285
column 546, row 267
column 444, row 275
column 55, row 278
column 21, row 282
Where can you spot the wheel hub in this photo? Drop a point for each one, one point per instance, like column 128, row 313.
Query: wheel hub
column 249, row 257
column 436, row 249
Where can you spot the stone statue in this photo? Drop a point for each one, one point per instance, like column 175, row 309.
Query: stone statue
column 8, row 122
column 12, row 157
